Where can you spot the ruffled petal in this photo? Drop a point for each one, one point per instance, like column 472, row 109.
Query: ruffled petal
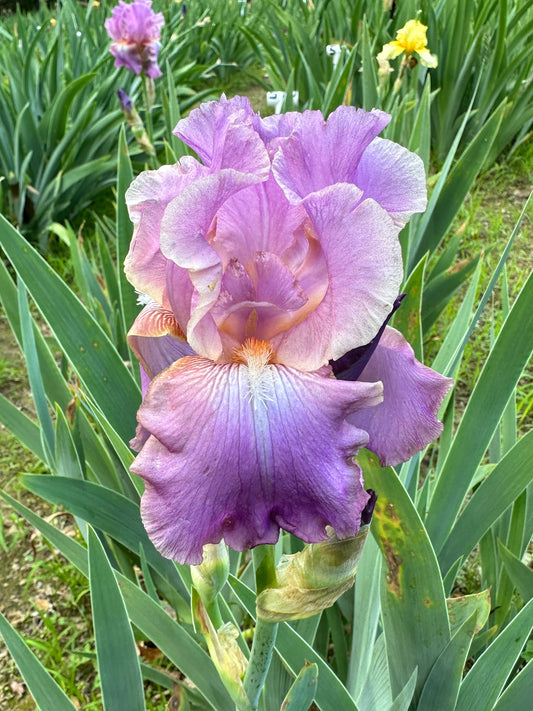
column 258, row 218
column 359, row 297
column 406, row 421
column 187, row 230
column 147, row 199
column 428, row 59
column 277, row 126
column 222, row 134
column 156, row 339
column 239, row 450
column 394, row 177
column 390, row 51
column 321, row 153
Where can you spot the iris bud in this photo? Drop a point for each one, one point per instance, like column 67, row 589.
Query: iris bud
column 315, row 578
column 210, row 576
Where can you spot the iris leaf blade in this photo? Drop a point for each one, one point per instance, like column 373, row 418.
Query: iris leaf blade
column 411, row 582
column 442, row 686
column 107, row 511
column 24, row 429
column 518, row 694
column 167, row 634
column 490, row 500
column 118, row 663
column 486, row 679
column 487, row 403
column 520, row 574
column 45, row 691
column 93, row 356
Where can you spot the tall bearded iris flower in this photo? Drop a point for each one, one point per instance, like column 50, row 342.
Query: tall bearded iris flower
column 135, row 30
column 260, row 268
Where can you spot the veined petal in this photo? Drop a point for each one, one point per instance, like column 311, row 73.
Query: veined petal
column 239, row 450
column 406, row 421
column 394, row 177
column 359, row 297
column 321, row 153
column 147, row 199
column 257, row 218
column 222, row 134
column 278, row 126
column 156, row 339
column 188, row 227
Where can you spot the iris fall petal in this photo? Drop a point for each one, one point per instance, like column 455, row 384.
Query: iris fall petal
column 406, row 421
column 239, row 450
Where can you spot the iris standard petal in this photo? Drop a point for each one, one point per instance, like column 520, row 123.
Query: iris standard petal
column 406, row 421
column 187, row 238
column 239, row 450
column 258, row 218
column 321, row 153
column 358, row 299
column 277, row 126
column 222, row 134
column 394, row 177
column 147, row 199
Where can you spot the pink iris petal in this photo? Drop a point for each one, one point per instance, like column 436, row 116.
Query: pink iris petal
column 222, row 134
column 156, row 339
column 406, row 421
column 136, row 30
column 277, row 126
column 358, row 299
column 321, row 153
column 187, row 228
column 258, row 218
column 239, row 451
column 394, row 177
column 147, row 199
column 258, row 301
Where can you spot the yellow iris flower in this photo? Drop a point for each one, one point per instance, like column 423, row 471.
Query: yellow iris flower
column 409, row 40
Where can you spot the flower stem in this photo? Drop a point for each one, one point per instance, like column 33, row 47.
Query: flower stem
column 147, row 91
column 260, row 658
column 213, row 610
column 265, row 632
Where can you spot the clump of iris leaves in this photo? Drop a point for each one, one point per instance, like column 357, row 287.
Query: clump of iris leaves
column 465, row 506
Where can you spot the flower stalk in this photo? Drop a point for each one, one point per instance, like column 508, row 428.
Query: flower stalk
column 148, row 97
column 265, row 632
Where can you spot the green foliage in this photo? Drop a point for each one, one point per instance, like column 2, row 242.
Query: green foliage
column 394, row 642
column 58, row 125
column 59, row 114
column 412, row 585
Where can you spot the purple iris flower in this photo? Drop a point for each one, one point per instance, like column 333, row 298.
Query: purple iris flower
column 273, row 257
column 135, row 30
